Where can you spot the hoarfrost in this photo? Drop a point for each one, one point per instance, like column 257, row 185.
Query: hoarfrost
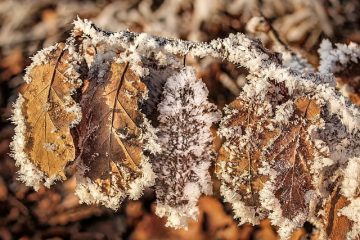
column 185, row 140
column 180, row 147
column 333, row 60
column 41, row 57
column 28, row 172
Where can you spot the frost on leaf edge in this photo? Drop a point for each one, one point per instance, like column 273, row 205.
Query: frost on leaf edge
column 29, row 172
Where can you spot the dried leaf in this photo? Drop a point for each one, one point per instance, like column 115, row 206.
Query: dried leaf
column 336, row 226
column 111, row 137
column 267, row 162
column 240, row 158
column 291, row 154
column 48, row 112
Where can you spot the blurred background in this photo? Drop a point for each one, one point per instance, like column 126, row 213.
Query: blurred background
column 28, row 26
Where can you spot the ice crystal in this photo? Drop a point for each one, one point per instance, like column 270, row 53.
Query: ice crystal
column 186, row 147
column 333, row 59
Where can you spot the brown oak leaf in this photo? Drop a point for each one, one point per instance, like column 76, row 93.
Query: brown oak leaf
column 111, row 136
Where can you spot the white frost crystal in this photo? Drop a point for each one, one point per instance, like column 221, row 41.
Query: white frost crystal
column 28, row 172
column 351, row 183
column 186, row 147
column 333, row 60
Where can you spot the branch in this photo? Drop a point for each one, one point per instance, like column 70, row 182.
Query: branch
column 237, row 49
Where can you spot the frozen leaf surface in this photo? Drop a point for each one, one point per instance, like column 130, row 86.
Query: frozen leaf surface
column 44, row 114
column 291, row 155
column 279, row 154
column 185, row 139
column 111, row 140
column 239, row 158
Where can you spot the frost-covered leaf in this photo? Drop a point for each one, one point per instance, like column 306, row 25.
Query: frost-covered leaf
column 267, row 137
column 336, row 226
column 239, row 158
column 186, row 152
column 44, row 113
column 291, row 154
column 111, row 136
column 280, row 153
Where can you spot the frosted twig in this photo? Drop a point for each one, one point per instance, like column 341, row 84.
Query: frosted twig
column 238, row 49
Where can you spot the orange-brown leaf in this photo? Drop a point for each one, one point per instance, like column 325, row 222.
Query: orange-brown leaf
column 336, row 226
column 48, row 115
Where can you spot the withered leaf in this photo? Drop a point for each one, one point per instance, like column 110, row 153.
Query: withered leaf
column 267, row 156
column 111, row 136
column 49, row 111
column 291, row 154
column 239, row 158
column 336, row 226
